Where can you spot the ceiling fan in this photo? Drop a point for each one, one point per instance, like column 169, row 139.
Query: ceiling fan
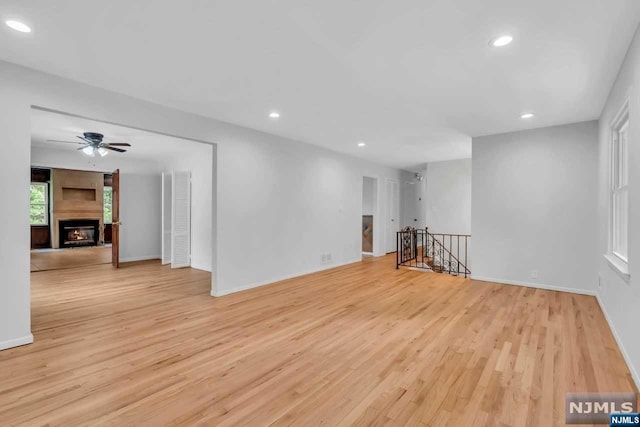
column 93, row 143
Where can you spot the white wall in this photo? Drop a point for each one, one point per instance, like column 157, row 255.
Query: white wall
column 283, row 204
column 198, row 158
column 140, row 195
column 140, row 214
column 279, row 201
column 368, row 185
column 448, row 195
column 534, row 207
column 15, row 130
column 621, row 299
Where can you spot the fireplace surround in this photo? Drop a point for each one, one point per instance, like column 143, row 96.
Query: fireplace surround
column 78, row 232
column 76, row 195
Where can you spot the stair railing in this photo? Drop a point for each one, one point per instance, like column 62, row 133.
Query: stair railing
column 439, row 252
column 449, row 253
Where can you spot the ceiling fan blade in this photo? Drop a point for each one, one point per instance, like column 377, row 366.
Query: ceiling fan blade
column 86, row 140
column 116, row 144
column 64, row 142
column 83, row 146
column 119, row 150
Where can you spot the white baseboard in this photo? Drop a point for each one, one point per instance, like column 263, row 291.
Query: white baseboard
column 16, row 342
column 536, row 285
column 201, row 267
column 140, row 258
column 279, row 279
column 623, row 350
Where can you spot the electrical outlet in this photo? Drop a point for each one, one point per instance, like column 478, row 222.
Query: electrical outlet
column 534, row 274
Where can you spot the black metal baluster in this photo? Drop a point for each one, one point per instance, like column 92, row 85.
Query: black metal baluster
column 450, row 249
column 415, row 246
column 397, row 251
column 465, row 257
column 458, row 253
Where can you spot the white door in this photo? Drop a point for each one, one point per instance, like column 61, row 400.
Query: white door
column 181, row 219
column 166, row 218
column 393, row 214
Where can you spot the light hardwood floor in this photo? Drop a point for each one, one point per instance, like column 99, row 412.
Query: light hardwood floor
column 56, row 259
column 363, row 344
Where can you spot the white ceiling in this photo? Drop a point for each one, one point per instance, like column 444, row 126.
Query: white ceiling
column 414, row 79
column 146, row 146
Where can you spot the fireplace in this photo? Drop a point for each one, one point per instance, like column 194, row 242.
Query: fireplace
column 79, row 232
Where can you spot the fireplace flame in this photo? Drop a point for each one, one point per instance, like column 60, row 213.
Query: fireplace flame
column 78, row 235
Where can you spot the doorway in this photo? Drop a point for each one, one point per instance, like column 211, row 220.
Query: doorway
column 139, row 218
column 369, row 214
column 70, row 217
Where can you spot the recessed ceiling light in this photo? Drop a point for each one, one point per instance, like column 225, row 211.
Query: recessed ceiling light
column 501, row 41
column 18, row 26
column 361, row 144
column 526, row 115
column 274, row 115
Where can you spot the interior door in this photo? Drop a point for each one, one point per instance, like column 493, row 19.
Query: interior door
column 393, row 214
column 115, row 224
column 166, row 218
column 181, row 219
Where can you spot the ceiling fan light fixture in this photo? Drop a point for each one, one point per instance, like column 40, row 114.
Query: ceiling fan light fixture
column 89, row 151
column 92, row 144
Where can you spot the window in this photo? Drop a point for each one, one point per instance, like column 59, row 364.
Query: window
column 39, row 199
column 619, row 200
column 108, row 204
